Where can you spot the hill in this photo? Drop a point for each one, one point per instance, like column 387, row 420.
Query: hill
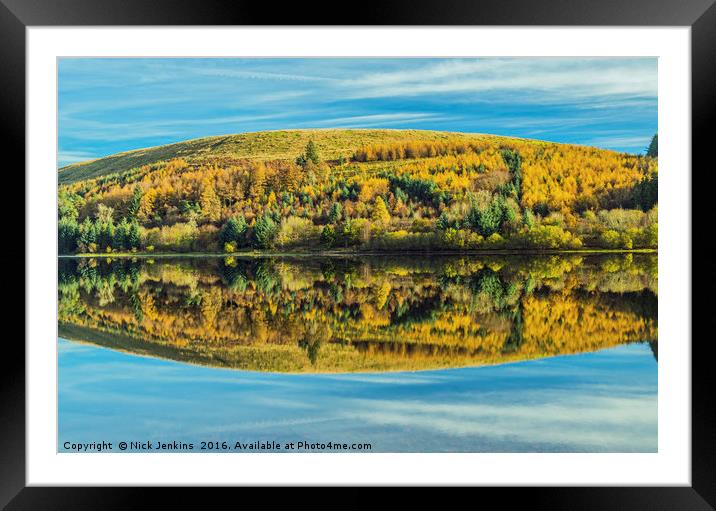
column 359, row 189
column 264, row 145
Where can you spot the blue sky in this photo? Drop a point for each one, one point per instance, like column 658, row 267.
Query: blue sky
column 112, row 105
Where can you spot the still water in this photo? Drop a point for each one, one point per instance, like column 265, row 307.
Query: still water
column 407, row 354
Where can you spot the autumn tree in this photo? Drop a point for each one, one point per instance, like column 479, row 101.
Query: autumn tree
column 210, row 204
column 289, row 177
column 257, row 180
column 380, row 214
column 147, row 204
column 104, row 214
column 67, row 204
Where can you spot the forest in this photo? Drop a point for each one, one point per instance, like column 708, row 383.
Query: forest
column 323, row 314
column 360, row 190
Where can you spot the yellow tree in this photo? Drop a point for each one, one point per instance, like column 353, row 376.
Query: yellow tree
column 289, row 176
column 209, row 201
column 146, row 204
column 380, row 216
column 257, row 180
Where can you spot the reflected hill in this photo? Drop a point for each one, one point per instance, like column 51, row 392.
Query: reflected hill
column 295, row 314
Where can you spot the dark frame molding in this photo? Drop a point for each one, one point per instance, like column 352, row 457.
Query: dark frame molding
column 700, row 15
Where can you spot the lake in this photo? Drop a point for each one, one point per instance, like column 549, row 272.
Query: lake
column 554, row 353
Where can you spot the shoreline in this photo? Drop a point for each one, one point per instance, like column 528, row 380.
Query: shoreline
column 354, row 253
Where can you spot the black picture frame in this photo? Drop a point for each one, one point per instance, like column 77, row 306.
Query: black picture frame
column 700, row 15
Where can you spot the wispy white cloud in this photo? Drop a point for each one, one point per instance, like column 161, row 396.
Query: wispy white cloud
column 567, row 78
column 545, row 418
column 254, row 74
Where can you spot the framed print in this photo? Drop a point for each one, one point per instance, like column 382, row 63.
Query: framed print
column 429, row 248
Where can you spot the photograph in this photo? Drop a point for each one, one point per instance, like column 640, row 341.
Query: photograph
column 357, row 254
column 426, row 245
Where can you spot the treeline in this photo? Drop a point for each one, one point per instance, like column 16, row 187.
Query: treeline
column 416, row 149
column 466, row 196
column 93, row 235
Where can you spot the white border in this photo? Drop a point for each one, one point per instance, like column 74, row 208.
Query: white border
column 671, row 466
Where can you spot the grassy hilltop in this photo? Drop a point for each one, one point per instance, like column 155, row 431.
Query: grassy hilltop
column 358, row 189
column 264, row 145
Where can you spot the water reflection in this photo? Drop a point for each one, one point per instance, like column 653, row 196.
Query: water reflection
column 350, row 314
